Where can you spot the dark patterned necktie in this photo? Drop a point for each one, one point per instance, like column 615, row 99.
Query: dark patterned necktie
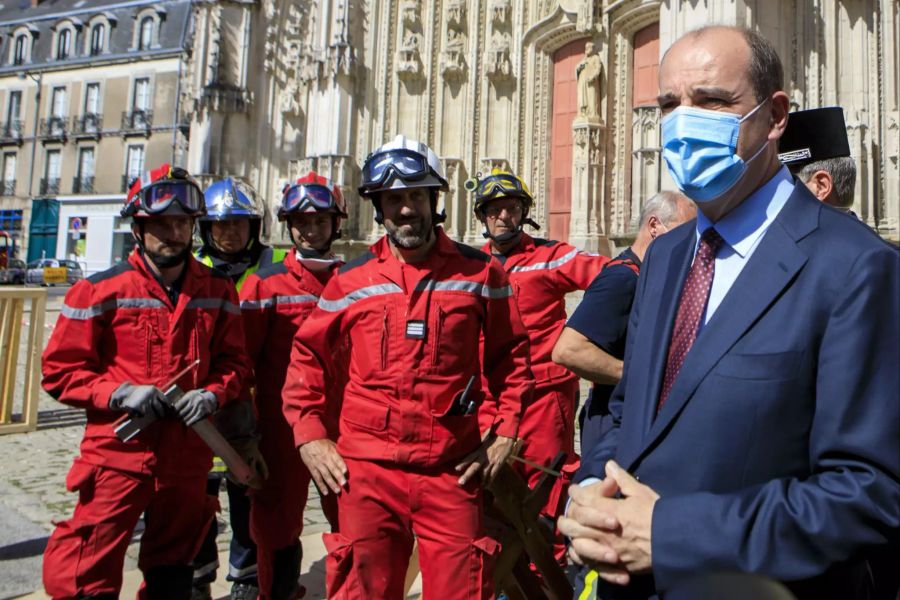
column 691, row 307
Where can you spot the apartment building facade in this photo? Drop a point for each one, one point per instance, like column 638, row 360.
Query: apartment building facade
column 90, row 97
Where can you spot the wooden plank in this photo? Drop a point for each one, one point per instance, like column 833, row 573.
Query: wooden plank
column 11, row 329
column 33, row 360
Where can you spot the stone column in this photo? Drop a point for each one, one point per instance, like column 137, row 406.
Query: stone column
column 587, row 227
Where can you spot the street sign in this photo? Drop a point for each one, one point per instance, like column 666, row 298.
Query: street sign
column 76, row 223
column 55, row 274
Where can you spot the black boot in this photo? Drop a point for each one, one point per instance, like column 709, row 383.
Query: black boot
column 169, row 582
column 285, row 585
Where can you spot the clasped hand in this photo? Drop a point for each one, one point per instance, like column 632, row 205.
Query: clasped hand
column 611, row 534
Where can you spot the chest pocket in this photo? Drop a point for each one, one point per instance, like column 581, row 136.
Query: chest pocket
column 370, row 340
column 455, row 334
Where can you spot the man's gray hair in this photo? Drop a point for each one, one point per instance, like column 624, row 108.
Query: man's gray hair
column 843, row 176
column 663, row 205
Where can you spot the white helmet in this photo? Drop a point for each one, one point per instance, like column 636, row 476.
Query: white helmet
column 402, row 163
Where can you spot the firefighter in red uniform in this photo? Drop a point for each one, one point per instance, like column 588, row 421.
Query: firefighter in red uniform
column 541, row 273
column 274, row 302
column 121, row 336
column 409, row 451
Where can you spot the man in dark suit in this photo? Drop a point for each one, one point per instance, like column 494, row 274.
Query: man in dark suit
column 757, row 422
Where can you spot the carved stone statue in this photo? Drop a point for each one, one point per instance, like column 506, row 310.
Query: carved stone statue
column 591, row 85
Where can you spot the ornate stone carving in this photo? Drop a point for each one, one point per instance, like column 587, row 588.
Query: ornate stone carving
column 497, row 61
column 591, row 85
column 456, row 14
column 500, row 12
column 486, row 165
column 409, row 63
column 409, row 12
column 892, row 137
column 453, row 57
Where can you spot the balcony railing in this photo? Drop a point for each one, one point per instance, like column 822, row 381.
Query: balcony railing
column 54, row 128
column 11, row 132
column 137, row 121
column 83, row 185
column 8, row 188
column 88, row 125
column 49, row 186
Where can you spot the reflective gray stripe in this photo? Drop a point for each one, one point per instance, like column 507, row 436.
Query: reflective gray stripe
column 296, row 299
column 360, row 294
column 269, row 302
column 553, row 264
column 214, row 303
column 236, row 572
column 257, row 304
column 139, row 303
column 83, row 314
column 471, row 287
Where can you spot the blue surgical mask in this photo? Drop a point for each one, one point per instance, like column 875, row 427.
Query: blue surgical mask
column 699, row 147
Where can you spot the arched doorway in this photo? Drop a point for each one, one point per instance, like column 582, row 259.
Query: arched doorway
column 565, row 107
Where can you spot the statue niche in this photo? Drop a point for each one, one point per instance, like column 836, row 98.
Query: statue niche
column 591, row 86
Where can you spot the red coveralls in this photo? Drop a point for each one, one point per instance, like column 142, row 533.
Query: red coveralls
column 542, row 272
column 274, row 302
column 120, row 326
column 414, row 339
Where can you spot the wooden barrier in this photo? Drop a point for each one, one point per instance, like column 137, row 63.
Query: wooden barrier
column 12, row 323
column 526, row 538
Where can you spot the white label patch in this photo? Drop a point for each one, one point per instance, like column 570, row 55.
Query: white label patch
column 794, row 155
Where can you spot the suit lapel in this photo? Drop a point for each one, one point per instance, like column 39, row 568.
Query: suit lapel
column 660, row 316
column 773, row 266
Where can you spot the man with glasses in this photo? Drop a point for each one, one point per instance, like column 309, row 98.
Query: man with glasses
column 274, row 303
column 541, row 272
column 121, row 337
column 411, row 311
column 230, row 231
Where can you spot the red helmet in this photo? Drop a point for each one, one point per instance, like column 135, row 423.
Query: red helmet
column 165, row 190
column 313, row 193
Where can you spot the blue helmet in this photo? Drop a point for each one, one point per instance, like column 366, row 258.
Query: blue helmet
column 230, row 199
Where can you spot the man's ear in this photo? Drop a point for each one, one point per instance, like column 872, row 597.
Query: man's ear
column 778, row 114
column 654, row 226
column 820, row 184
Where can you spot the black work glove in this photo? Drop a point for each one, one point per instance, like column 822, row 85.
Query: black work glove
column 138, row 400
column 196, row 405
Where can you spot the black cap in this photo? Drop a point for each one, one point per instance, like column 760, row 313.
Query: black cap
column 813, row 135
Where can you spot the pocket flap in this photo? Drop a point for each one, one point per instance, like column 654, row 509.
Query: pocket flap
column 776, row 365
column 367, row 415
column 80, row 473
column 488, row 545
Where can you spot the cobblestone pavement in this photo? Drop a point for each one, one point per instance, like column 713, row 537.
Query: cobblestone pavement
column 33, row 495
column 33, row 468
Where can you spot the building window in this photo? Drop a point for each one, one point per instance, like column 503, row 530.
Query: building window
column 58, row 102
column 145, row 33
column 123, row 240
column 133, row 166
column 140, row 98
column 52, row 170
column 98, row 39
column 84, row 182
column 92, row 99
column 14, row 110
column 9, row 174
column 63, row 43
column 20, row 49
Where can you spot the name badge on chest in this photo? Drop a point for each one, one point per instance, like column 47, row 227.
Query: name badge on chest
column 415, row 330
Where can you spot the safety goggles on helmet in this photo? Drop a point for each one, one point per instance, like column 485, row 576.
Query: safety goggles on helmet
column 306, row 197
column 501, row 185
column 400, row 162
column 157, row 197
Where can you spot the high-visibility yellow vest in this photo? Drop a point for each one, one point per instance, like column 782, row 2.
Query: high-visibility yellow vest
column 269, row 256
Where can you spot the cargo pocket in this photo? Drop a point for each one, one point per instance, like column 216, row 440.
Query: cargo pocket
column 483, row 555
column 340, row 580
column 81, row 479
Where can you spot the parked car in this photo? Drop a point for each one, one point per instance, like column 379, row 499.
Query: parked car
column 53, row 271
column 14, row 273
